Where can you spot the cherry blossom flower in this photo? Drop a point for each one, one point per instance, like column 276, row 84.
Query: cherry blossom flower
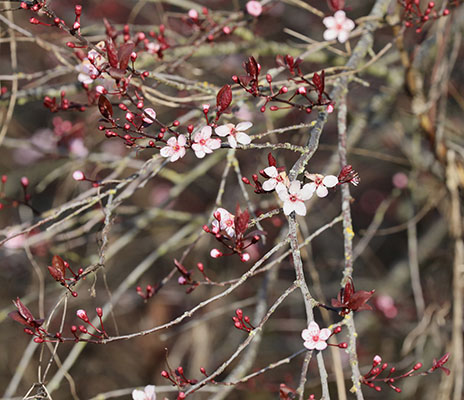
column 254, row 8
column 294, row 197
column 235, row 133
column 224, row 221
column 320, row 183
column 315, row 338
column 277, row 181
column 203, row 143
column 175, row 148
column 78, row 175
column 148, row 393
column 338, row 27
column 88, row 66
column 149, row 115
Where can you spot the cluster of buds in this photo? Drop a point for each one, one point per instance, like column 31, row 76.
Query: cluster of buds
column 242, row 322
column 185, row 277
column 58, row 271
column 229, row 230
column 206, row 24
column 372, row 376
column 312, row 91
column 64, row 105
column 178, row 379
column 148, row 293
column 7, row 201
column 414, row 15
column 82, row 314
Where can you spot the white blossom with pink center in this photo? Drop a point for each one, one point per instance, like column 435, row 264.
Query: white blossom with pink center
column 254, row 8
column 148, row 393
column 277, row 181
column 224, row 221
column 338, row 27
column 203, row 143
column 235, row 133
column 320, row 183
column 88, row 66
column 315, row 338
column 175, row 148
column 294, row 197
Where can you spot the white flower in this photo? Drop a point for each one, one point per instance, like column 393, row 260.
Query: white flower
column 146, row 394
column 320, row 183
column 203, row 142
column 338, row 27
column 276, row 181
column 314, row 337
column 88, row 66
column 175, row 148
column 224, row 221
column 294, row 197
column 235, row 133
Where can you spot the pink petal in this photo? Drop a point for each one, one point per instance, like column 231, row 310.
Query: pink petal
column 343, row 36
column 167, row 151
column 324, row 334
column 213, row 144
column 283, row 195
column 313, row 328
column 330, row 181
column 199, row 153
column 294, row 187
column 181, row 141
column 340, row 17
column 232, row 142
column 329, row 22
column 206, row 132
column 243, row 126
column 310, row 345
column 322, row 191
column 222, row 130
column 305, row 335
column 330, row 34
column 321, row 345
column 271, row 172
column 348, row 25
column 172, row 141
column 269, row 185
column 300, row 208
column 243, row 138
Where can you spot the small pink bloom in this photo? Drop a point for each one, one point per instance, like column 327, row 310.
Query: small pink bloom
column 294, row 197
column 254, row 8
column 148, row 393
column 400, row 180
column 149, row 115
column 193, row 14
column 215, row 253
column 320, row 183
column 244, row 257
column 315, row 338
column 377, row 360
column 224, row 221
column 25, row 181
column 203, row 143
column 175, row 148
column 235, row 133
column 78, row 175
column 338, row 27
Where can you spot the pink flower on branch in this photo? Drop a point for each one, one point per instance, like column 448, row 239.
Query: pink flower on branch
column 148, row 393
column 295, row 196
column 175, row 148
column 254, row 8
column 338, row 27
column 203, row 143
column 235, row 133
column 315, row 338
column 320, row 183
column 224, row 221
column 277, row 181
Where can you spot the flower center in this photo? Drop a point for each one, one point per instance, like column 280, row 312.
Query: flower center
column 316, row 338
column 293, row 198
column 202, row 142
column 176, row 147
column 229, row 223
column 318, row 181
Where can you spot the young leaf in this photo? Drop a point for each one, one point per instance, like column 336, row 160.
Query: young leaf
column 105, row 107
column 124, row 53
column 112, row 53
column 224, row 98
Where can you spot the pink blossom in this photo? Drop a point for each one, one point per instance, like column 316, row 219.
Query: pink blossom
column 277, row 181
column 254, row 8
column 235, row 133
column 315, row 338
column 320, row 183
column 78, row 175
column 203, row 143
column 294, row 197
column 215, row 253
column 224, row 221
column 148, row 393
column 338, row 27
column 175, row 148
column 149, row 115
column 193, row 14
column 77, row 147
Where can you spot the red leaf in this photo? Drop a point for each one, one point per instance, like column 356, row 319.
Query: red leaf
column 105, row 107
column 271, row 160
column 117, row 73
column 224, row 98
column 112, row 53
column 317, row 81
column 110, row 31
column 251, row 67
column 358, row 300
column 124, row 52
column 23, row 310
column 348, row 290
column 182, row 269
column 241, row 221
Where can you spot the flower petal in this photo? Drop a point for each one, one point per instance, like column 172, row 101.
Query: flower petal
column 222, row 130
column 329, row 22
column 206, row 132
column 232, row 142
column 269, row 185
column 313, row 328
column 340, row 16
column 271, row 172
column 294, row 187
column 324, row 334
column 243, row 126
column 305, row 335
column 243, row 138
column 213, row 144
column 288, row 207
column 321, row 345
column 343, row 36
column 310, row 345
column 330, row 181
column 300, row 208
column 283, row 194
column 330, row 34
column 306, row 192
column 322, row 191
column 181, row 140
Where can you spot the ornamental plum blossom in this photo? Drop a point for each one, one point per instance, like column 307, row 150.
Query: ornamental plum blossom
column 175, row 148
column 203, row 143
column 235, row 133
column 254, row 8
column 148, row 393
column 315, row 338
column 224, row 221
column 295, row 196
column 277, row 181
column 320, row 183
column 89, row 65
column 338, row 27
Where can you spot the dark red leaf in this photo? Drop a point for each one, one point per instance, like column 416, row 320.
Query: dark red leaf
column 245, row 80
column 56, row 274
column 280, row 61
column 110, row 31
column 358, row 300
column 251, row 67
column 182, row 269
column 224, row 98
column 241, row 221
column 105, row 107
column 317, row 81
column 348, row 290
column 124, row 52
column 24, row 316
column 117, row 73
column 112, row 53
column 271, row 160
column 23, row 310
